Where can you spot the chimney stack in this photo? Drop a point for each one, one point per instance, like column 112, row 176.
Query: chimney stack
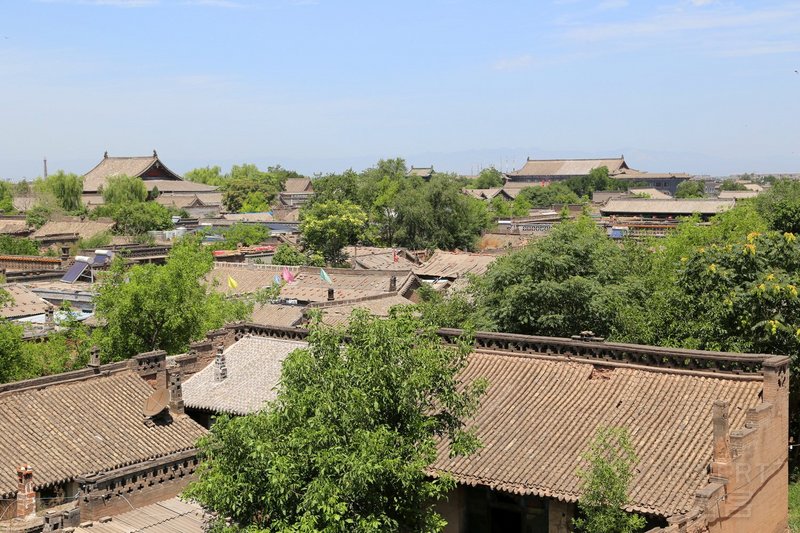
column 220, row 370
column 176, row 391
column 393, row 283
column 64, row 253
column 26, row 496
column 48, row 315
column 330, row 294
column 94, row 357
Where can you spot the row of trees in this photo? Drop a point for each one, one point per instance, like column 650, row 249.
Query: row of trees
column 245, row 188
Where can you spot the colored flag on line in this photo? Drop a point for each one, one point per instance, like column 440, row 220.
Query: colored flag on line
column 276, row 280
column 395, row 257
column 232, row 283
column 288, row 276
column 325, row 277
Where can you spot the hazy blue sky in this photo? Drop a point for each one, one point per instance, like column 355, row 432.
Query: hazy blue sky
column 701, row 86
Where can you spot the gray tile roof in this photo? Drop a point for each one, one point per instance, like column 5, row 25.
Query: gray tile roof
column 70, row 427
column 254, row 370
column 173, row 515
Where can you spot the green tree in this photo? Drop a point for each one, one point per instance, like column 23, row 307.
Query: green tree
column 346, row 444
column 139, row 218
column 248, row 188
column 7, row 197
column 149, row 307
column 328, row 227
column 288, row 255
column 12, row 364
column 38, row 216
column 605, row 481
column 489, row 178
column 732, row 185
column 123, row 190
column 780, row 205
column 208, row 175
column 242, row 233
column 18, row 246
column 597, row 180
column 570, row 281
column 690, row 189
column 65, row 188
column 549, row 195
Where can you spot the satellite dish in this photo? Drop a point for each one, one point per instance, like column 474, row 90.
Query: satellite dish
column 156, row 402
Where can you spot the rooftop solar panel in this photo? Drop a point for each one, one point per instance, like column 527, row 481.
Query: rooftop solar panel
column 100, row 260
column 75, row 272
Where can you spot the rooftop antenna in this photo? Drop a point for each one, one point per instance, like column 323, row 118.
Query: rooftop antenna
column 45, row 167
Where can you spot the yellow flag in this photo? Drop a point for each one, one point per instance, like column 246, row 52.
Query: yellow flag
column 232, row 283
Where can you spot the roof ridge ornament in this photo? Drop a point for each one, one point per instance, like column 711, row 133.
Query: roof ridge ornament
column 154, row 153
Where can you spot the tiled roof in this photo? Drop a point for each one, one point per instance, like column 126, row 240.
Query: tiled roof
column 737, row 195
column 665, row 207
column 632, row 174
column 249, row 217
column 122, row 166
column 179, row 186
column 654, row 194
column 339, row 314
column 253, row 371
column 169, row 516
column 538, row 416
column 210, row 198
column 567, row 167
column 177, row 200
column 84, row 228
column 67, row 429
column 308, row 286
column 277, row 315
column 452, row 265
column 24, row 302
column 373, row 258
column 295, row 185
column 11, row 226
column 422, row 172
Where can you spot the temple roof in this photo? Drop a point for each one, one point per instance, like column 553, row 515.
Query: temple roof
column 567, row 167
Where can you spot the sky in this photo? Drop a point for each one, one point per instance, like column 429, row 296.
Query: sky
column 700, row 86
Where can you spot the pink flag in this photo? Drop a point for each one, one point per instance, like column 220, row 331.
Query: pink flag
column 287, row 276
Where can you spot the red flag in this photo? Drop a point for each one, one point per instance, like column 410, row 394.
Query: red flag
column 287, row 276
column 395, row 258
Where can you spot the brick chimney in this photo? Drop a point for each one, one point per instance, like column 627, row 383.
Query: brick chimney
column 393, row 284
column 94, row 357
column 48, row 315
column 26, row 496
column 220, row 370
column 330, row 294
column 175, row 391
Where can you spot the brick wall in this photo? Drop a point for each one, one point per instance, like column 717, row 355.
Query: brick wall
column 749, row 481
column 117, row 491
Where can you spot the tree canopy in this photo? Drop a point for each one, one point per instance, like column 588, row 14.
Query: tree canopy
column 690, row 189
column 65, row 188
column 610, row 462
column 327, row 227
column 124, row 190
column 780, row 205
column 346, row 444
column 405, row 210
column 487, row 179
column 149, row 307
column 243, row 234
